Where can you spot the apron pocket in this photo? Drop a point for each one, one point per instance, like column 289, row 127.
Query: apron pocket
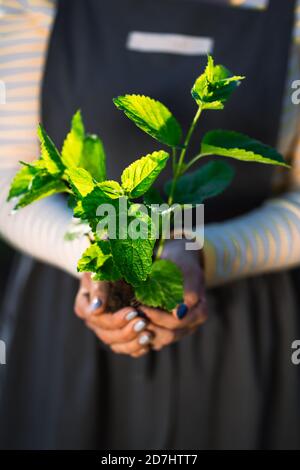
column 142, row 41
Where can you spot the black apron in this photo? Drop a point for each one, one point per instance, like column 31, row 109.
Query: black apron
column 89, row 64
column 230, row 385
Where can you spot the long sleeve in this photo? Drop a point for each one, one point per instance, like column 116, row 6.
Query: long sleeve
column 38, row 229
column 268, row 238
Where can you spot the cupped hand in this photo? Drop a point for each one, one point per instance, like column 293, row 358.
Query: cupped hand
column 192, row 313
column 123, row 331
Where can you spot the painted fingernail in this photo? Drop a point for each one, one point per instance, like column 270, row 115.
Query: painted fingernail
column 139, row 325
column 95, row 304
column 131, row 315
column 144, row 339
column 141, row 314
column 181, row 311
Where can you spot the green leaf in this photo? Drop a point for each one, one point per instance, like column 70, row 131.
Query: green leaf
column 22, row 181
column 132, row 249
column 215, row 86
column 133, row 258
column 152, row 117
column 92, row 259
column 98, row 260
column 80, row 180
column 73, row 144
column 87, row 207
column 93, row 157
column 42, row 186
column 241, row 147
column 108, row 271
column 153, row 196
column 50, row 155
column 208, row 181
column 164, row 286
column 112, row 189
column 138, row 177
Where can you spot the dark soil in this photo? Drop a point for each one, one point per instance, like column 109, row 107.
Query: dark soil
column 121, row 295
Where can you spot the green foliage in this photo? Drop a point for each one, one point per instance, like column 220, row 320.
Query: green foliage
column 41, row 187
column 81, row 150
column 133, row 258
column 152, row 117
column 153, row 196
column 163, row 287
column 50, row 157
column 215, row 86
column 208, row 181
column 22, row 181
column 112, row 189
column 241, row 147
column 138, row 177
column 132, row 247
column 93, row 157
column 87, row 207
column 80, row 170
column 81, row 181
column 73, row 145
column 92, row 259
column 97, row 259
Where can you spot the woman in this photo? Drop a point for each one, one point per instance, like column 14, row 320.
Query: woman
column 230, row 384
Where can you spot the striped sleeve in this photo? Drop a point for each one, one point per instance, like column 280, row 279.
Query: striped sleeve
column 39, row 229
column 24, row 32
column 267, row 239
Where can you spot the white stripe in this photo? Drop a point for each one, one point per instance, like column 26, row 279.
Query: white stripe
column 169, row 43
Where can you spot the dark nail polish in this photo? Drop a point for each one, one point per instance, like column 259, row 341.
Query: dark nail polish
column 141, row 314
column 95, row 304
column 181, row 311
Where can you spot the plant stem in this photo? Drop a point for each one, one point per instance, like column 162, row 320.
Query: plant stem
column 180, row 163
column 194, row 160
column 174, row 152
column 178, row 172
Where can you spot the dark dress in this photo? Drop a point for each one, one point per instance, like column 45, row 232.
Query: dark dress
column 230, row 385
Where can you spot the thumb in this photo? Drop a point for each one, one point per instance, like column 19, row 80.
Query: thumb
column 98, row 297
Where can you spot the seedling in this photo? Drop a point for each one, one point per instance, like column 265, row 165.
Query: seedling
column 80, row 170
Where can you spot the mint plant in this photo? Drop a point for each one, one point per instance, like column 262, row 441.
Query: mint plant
column 80, row 171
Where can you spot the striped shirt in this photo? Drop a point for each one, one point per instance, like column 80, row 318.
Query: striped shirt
column 266, row 239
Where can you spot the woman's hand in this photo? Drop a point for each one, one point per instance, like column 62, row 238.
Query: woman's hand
column 187, row 317
column 127, row 333
column 123, row 331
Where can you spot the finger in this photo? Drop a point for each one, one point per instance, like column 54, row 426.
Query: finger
column 113, row 321
column 143, row 341
column 193, row 294
column 162, row 337
column 199, row 313
column 166, row 319
column 86, row 281
column 99, row 292
column 122, row 335
column 82, row 302
column 140, row 353
column 160, row 317
column 196, row 316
